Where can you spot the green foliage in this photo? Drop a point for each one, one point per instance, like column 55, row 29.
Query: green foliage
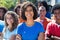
column 33, row 1
column 8, row 3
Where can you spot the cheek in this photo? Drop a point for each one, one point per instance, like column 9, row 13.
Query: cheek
column 32, row 13
column 25, row 13
column 12, row 20
column 1, row 14
column 7, row 21
column 44, row 12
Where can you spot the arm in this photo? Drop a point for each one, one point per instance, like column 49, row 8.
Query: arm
column 18, row 37
column 41, row 36
column 12, row 37
column 48, row 32
column 1, row 35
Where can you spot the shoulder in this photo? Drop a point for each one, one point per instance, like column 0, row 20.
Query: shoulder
column 51, row 24
column 2, row 22
column 38, row 19
column 38, row 23
column 20, row 25
column 49, row 20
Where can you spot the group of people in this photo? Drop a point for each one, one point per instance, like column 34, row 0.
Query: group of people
column 27, row 22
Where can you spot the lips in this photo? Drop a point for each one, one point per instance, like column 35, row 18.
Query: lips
column 29, row 15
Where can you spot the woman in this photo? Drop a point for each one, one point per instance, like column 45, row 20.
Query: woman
column 11, row 22
column 3, row 10
column 17, row 9
column 44, row 20
column 30, row 30
column 48, row 13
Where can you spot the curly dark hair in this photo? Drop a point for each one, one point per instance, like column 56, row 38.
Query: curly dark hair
column 45, row 5
column 15, row 19
column 4, row 10
column 55, row 7
column 24, row 7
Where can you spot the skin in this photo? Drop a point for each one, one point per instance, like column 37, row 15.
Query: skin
column 10, row 21
column 1, row 13
column 29, row 15
column 1, row 36
column 42, row 14
column 12, row 37
column 57, row 18
column 19, row 12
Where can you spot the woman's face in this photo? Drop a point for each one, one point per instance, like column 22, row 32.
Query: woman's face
column 57, row 14
column 9, row 19
column 29, row 12
column 18, row 9
column 42, row 13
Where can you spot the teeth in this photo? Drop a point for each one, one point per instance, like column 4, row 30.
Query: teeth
column 28, row 15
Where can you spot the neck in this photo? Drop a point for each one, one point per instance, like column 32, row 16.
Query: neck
column 30, row 22
column 10, row 27
column 58, row 22
column 42, row 18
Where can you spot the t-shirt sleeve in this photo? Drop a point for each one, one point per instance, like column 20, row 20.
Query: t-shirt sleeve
column 19, row 29
column 1, row 26
column 41, row 28
column 48, row 30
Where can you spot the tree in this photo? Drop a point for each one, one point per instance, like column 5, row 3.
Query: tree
column 8, row 3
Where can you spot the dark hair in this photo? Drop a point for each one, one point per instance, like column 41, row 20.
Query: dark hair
column 45, row 5
column 55, row 7
column 15, row 19
column 4, row 10
column 24, row 6
column 18, row 6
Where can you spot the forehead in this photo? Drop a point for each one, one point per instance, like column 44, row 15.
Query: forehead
column 8, row 15
column 42, row 8
column 1, row 10
column 29, row 7
column 57, row 10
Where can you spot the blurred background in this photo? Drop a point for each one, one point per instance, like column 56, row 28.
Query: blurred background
column 10, row 4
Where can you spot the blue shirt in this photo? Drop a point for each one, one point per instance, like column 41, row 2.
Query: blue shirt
column 48, row 15
column 30, row 33
column 1, row 25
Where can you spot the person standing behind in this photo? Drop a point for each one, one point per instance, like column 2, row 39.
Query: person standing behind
column 30, row 30
column 44, row 3
column 44, row 20
column 3, row 10
column 11, row 22
column 53, row 28
column 18, row 9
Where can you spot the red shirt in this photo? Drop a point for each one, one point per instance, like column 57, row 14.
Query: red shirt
column 53, row 29
column 20, row 20
column 44, row 22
